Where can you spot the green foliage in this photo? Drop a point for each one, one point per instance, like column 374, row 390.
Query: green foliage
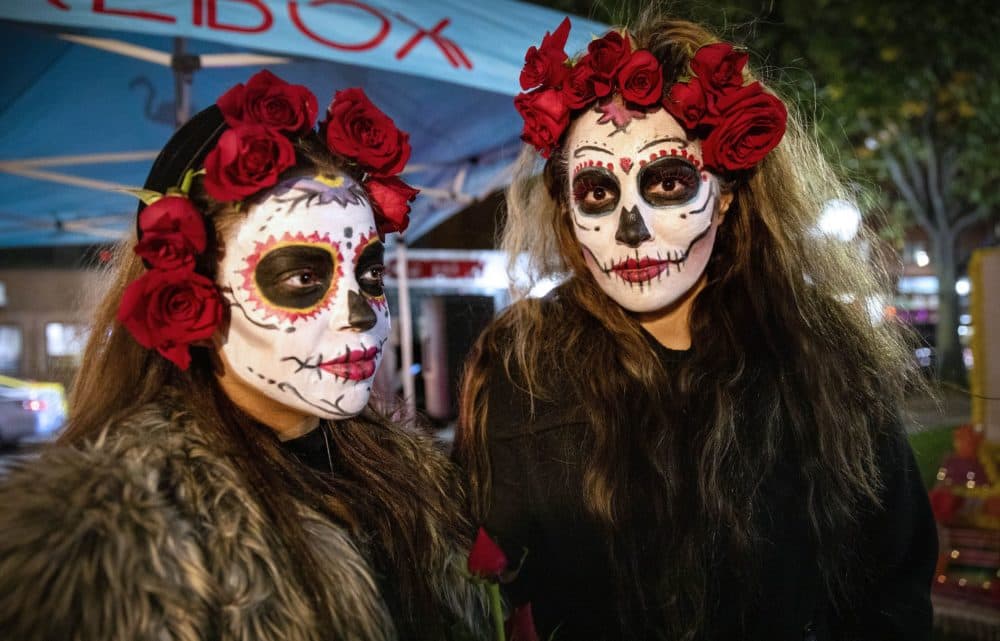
column 915, row 79
column 930, row 446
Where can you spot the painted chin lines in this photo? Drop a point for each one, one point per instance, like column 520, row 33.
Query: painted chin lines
column 353, row 365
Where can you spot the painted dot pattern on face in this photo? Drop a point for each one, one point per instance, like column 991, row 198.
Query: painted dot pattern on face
column 610, row 166
column 261, row 303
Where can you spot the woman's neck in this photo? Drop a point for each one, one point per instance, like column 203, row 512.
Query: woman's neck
column 671, row 326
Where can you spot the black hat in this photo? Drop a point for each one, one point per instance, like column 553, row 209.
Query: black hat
column 186, row 149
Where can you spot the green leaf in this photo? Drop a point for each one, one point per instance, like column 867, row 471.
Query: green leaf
column 188, row 179
column 147, row 196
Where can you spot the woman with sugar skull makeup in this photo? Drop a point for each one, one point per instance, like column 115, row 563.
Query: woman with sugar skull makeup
column 223, row 475
column 695, row 435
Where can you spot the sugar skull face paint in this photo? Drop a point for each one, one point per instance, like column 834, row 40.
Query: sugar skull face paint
column 303, row 278
column 643, row 207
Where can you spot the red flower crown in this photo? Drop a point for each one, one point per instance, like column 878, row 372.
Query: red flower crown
column 738, row 124
column 171, row 305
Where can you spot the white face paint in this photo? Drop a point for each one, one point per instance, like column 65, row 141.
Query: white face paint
column 643, row 207
column 303, row 278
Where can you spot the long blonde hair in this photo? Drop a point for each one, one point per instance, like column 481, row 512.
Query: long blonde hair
column 787, row 361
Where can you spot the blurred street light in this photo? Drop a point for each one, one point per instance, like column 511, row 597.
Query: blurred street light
column 840, row 219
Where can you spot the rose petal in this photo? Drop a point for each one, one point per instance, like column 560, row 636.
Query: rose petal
column 356, row 129
column 486, row 559
column 246, row 160
column 546, row 117
column 391, row 197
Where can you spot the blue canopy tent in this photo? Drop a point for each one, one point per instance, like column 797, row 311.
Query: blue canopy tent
column 99, row 85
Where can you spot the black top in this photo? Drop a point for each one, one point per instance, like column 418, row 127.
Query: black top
column 537, row 504
column 312, row 449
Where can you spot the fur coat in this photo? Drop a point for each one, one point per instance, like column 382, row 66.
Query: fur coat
column 147, row 535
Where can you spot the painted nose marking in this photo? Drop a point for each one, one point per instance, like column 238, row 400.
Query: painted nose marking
column 631, row 228
column 360, row 314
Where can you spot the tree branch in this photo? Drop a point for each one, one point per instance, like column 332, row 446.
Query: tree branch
column 949, row 169
column 933, row 174
column 917, row 178
column 965, row 221
column 899, row 179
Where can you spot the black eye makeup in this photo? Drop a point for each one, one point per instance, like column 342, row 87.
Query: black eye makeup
column 595, row 191
column 669, row 181
column 371, row 269
column 295, row 276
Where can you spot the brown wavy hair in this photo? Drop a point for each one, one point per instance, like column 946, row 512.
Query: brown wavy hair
column 787, row 365
column 411, row 525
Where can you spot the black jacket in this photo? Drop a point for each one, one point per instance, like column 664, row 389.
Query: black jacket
column 537, row 505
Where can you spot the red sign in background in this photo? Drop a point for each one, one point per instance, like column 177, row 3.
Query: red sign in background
column 437, row 268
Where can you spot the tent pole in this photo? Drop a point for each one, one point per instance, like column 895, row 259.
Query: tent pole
column 405, row 329
column 182, row 83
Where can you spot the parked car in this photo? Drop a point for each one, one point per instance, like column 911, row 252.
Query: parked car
column 30, row 410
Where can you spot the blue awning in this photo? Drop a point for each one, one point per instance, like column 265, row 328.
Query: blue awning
column 91, row 97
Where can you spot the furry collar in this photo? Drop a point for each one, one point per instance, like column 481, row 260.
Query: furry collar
column 147, row 533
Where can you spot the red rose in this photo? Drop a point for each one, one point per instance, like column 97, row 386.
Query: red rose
column 546, row 65
column 390, row 199
column 486, row 559
column 356, row 129
column 545, row 118
column 745, row 134
column 686, row 103
column 578, row 89
column 268, row 100
column 172, row 233
column 640, row 79
column 168, row 310
column 521, row 624
column 719, row 104
column 606, row 56
column 718, row 66
column 245, row 160
column 944, row 505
